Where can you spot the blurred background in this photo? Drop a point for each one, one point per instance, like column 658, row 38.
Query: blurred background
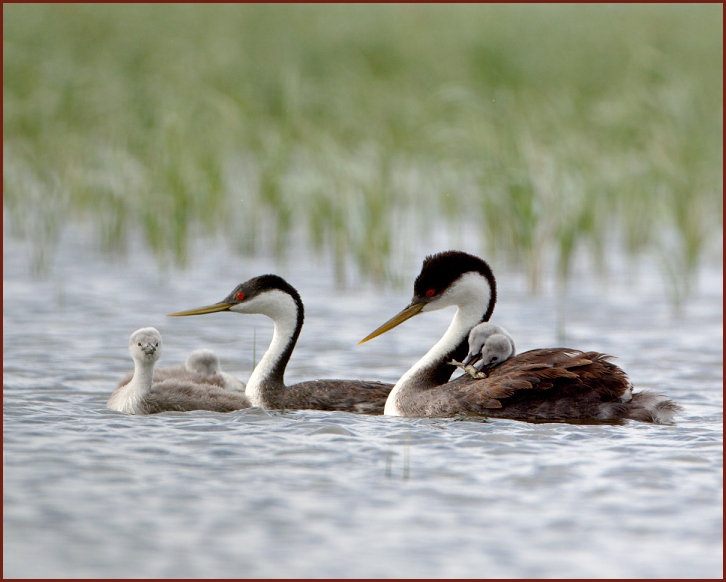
column 537, row 134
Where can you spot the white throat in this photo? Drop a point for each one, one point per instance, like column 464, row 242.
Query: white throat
column 128, row 398
column 470, row 293
column 282, row 309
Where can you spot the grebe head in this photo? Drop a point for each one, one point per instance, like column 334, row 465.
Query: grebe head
column 448, row 278
column 268, row 295
column 145, row 345
column 204, row 361
column 496, row 349
column 489, row 344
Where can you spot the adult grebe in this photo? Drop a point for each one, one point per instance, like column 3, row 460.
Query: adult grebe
column 206, row 363
column 144, row 395
column 489, row 346
column 544, row 384
column 274, row 297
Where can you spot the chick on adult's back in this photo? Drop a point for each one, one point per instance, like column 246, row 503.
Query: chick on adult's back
column 552, row 384
column 489, row 346
column 206, row 363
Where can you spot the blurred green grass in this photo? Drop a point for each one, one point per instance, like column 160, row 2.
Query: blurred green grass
column 553, row 128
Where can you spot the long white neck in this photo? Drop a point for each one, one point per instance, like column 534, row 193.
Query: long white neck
column 269, row 372
column 128, row 398
column 471, row 295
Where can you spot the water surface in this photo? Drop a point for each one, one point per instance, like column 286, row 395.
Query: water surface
column 90, row 492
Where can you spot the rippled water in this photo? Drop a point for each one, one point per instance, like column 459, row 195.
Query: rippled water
column 91, row 492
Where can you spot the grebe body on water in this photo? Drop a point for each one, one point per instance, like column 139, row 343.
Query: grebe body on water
column 552, row 384
column 274, row 297
column 171, row 390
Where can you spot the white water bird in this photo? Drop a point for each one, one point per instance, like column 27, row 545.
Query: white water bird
column 274, row 297
column 206, row 363
column 552, row 384
column 143, row 394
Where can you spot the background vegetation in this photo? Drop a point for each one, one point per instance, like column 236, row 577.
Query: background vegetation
column 549, row 128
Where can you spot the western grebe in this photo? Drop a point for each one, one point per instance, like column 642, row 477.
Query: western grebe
column 274, row 297
column 206, row 363
column 142, row 394
column 201, row 367
column 489, row 346
column 544, row 384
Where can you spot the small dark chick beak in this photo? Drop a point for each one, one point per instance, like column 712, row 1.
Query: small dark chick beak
column 471, row 358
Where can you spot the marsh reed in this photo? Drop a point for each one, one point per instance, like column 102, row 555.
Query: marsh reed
column 556, row 129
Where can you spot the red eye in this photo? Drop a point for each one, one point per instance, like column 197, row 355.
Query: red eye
column 240, row 296
column 430, row 292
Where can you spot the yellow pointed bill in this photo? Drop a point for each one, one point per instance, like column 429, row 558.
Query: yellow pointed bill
column 203, row 310
column 407, row 313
